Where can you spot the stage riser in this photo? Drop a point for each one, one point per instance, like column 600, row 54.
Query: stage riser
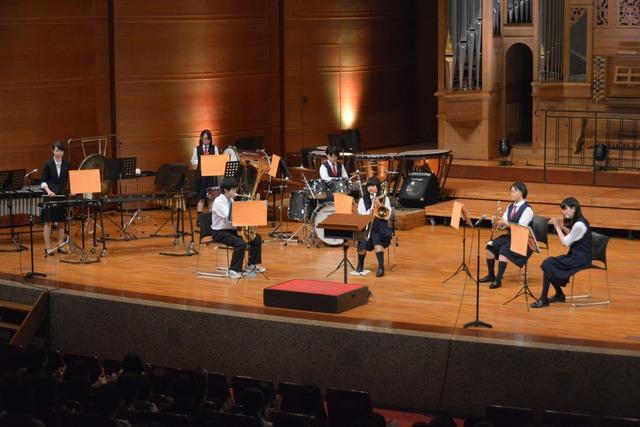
column 397, row 369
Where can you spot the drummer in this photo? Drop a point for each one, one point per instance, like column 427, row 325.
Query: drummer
column 206, row 146
column 332, row 169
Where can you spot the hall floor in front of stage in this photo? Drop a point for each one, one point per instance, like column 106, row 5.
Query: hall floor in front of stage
column 411, row 297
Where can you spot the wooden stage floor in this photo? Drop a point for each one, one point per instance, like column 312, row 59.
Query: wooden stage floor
column 409, row 298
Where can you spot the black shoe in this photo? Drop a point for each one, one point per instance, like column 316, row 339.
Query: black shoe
column 540, row 303
column 380, row 272
column 495, row 284
column 359, row 269
column 49, row 252
column 488, row 278
column 557, row 298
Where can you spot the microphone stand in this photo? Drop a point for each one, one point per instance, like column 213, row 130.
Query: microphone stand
column 477, row 322
column 32, row 273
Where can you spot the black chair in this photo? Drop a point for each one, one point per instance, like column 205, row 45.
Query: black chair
column 206, row 231
column 73, row 419
column 227, row 419
column 345, row 407
column 218, row 388
column 540, row 228
column 92, row 364
column 240, row 384
column 111, row 366
column 507, row 416
column 599, row 243
column 159, row 418
column 566, row 419
column 287, row 419
column 619, row 422
column 302, row 399
column 11, row 357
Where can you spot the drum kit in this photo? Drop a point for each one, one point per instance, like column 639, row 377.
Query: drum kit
column 314, row 204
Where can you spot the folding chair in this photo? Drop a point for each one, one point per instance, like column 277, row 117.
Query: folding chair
column 206, row 231
column 599, row 243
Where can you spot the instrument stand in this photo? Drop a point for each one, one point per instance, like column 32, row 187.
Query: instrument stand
column 304, row 234
column 189, row 248
column 84, row 259
column 14, row 180
column 344, row 263
column 477, row 323
column 32, row 273
column 284, row 234
column 524, row 290
column 463, row 267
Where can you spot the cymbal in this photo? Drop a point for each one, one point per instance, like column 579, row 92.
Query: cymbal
column 283, row 180
column 300, row 169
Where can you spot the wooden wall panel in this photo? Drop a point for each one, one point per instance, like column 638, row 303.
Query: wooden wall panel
column 349, row 65
column 53, row 76
column 185, row 66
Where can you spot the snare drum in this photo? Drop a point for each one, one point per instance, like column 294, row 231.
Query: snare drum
column 318, row 189
column 340, row 185
column 300, row 206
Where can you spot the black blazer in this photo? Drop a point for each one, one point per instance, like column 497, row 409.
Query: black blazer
column 57, row 184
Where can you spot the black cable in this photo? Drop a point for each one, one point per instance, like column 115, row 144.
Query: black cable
column 453, row 328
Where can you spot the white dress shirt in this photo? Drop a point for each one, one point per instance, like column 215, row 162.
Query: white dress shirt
column 58, row 168
column 324, row 173
column 362, row 210
column 525, row 218
column 194, row 158
column 220, row 213
column 577, row 232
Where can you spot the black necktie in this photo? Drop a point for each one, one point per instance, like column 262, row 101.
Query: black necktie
column 230, row 209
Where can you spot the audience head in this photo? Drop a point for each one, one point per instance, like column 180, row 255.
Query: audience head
column 129, row 387
column 201, row 380
column 18, row 394
column 253, row 401
column 45, row 391
column 183, row 391
column 133, row 363
column 35, row 360
column 442, row 421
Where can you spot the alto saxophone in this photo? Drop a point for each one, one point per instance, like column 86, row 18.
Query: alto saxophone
column 494, row 221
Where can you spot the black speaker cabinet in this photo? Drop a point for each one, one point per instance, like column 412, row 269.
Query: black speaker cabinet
column 419, row 190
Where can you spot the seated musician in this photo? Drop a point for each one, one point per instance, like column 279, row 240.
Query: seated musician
column 519, row 212
column 378, row 235
column 332, row 168
column 573, row 231
column 206, row 146
column 225, row 233
column 55, row 174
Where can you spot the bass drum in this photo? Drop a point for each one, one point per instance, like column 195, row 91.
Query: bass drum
column 97, row 161
column 320, row 214
column 251, row 164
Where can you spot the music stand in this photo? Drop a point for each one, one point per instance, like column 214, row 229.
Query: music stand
column 33, row 272
column 82, row 182
column 458, row 212
column 13, row 180
column 176, row 178
column 346, row 227
column 523, row 239
column 252, row 213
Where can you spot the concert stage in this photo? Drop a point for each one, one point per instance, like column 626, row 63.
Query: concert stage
column 405, row 346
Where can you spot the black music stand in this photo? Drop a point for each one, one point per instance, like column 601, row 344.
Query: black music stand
column 532, row 243
column 176, row 178
column 33, row 272
column 12, row 182
column 477, row 322
column 463, row 267
column 347, row 227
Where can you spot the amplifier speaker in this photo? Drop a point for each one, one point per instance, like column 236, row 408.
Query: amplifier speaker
column 419, row 190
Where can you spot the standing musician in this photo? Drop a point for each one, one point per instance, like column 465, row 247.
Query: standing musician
column 205, row 147
column 225, row 233
column 519, row 212
column 380, row 233
column 574, row 232
column 55, row 174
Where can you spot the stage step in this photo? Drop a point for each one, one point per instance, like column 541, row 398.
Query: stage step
column 22, row 321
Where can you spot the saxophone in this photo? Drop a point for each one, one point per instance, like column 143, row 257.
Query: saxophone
column 249, row 232
column 494, row 221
